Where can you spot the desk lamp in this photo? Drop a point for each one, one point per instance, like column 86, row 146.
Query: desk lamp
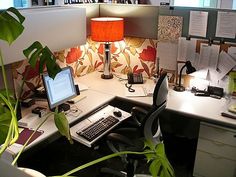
column 189, row 69
column 107, row 30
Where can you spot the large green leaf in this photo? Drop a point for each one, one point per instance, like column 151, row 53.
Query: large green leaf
column 159, row 164
column 11, row 96
column 62, row 125
column 11, row 25
column 37, row 52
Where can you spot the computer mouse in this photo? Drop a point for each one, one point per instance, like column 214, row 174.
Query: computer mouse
column 117, row 113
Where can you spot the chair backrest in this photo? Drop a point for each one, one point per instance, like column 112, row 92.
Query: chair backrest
column 161, row 90
column 152, row 132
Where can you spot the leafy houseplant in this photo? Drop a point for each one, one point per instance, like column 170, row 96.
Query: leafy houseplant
column 11, row 28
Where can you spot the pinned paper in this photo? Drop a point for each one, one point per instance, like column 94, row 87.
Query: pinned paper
column 187, row 50
column 226, row 24
column 198, row 23
column 208, row 57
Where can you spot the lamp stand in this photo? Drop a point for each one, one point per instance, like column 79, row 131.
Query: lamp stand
column 179, row 87
column 107, row 62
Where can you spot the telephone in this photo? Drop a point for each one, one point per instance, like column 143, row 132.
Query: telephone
column 134, row 78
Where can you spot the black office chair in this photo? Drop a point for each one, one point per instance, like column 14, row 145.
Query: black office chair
column 144, row 126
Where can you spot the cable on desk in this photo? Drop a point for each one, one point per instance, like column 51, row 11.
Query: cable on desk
column 74, row 111
column 120, row 78
column 129, row 87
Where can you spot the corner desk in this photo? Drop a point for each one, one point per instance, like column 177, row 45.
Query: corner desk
column 217, row 134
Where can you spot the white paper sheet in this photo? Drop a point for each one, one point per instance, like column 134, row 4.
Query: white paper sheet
column 198, row 23
column 225, row 64
column 232, row 52
column 208, row 56
column 167, row 53
column 186, row 49
column 226, row 24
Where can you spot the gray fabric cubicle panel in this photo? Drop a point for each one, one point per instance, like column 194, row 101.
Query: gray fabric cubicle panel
column 140, row 20
column 92, row 10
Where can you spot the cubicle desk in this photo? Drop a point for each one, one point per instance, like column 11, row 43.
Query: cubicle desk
column 216, row 149
column 102, row 91
column 92, row 101
column 203, row 108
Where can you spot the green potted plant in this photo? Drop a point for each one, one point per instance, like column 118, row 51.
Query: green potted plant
column 11, row 28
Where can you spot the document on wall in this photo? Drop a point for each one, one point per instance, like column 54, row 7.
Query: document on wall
column 226, row 24
column 232, row 52
column 208, row 57
column 187, row 49
column 225, row 64
column 198, row 23
column 167, row 53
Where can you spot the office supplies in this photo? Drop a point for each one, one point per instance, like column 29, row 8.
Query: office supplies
column 99, row 127
column 28, row 120
column 135, row 78
column 135, row 91
column 215, row 91
column 107, row 29
column 60, row 89
column 27, row 102
column 26, row 133
column 40, row 111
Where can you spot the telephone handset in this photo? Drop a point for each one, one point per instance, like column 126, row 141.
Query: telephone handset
column 134, row 78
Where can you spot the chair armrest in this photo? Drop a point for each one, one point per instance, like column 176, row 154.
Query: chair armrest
column 118, row 138
column 138, row 114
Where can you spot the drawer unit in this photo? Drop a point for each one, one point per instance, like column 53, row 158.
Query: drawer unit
column 218, row 134
column 217, row 148
column 216, row 152
column 211, row 165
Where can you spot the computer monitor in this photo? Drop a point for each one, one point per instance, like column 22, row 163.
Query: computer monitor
column 60, row 89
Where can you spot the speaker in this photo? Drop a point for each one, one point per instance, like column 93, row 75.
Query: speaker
column 77, row 89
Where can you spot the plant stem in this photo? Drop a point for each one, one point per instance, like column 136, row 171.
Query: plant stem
column 105, row 158
column 4, row 75
column 26, row 143
column 12, row 134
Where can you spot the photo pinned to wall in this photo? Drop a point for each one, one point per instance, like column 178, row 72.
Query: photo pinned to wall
column 169, row 28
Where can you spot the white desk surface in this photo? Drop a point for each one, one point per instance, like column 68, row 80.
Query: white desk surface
column 102, row 91
column 93, row 101
column 204, row 108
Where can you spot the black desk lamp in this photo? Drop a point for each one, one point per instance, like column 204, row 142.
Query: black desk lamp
column 189, row 69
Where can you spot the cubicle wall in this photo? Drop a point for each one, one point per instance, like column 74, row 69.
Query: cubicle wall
column 140, row 20
column 92, row 10
column 137, row 53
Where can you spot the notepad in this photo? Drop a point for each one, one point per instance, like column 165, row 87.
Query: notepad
column 140, row 91
column 25, row 134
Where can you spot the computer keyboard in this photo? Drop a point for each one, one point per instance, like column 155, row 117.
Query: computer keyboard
column 97, row 128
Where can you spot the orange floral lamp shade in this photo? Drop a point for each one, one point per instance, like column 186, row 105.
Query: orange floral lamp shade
column 107, row 29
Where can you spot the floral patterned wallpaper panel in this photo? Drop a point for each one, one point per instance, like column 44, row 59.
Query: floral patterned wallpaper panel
column 130, row 55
